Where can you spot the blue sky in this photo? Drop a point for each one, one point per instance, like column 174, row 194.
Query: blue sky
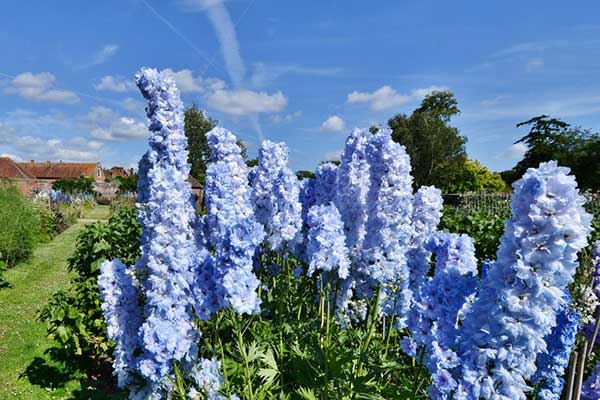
column 302, row 72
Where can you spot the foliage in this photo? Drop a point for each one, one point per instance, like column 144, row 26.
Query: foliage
column 475, row 177
column 303, row 174
column 436, row 149
column 483, row 226
column 20, row 226
column 127, row 184
column 553, row 139
column 3, row 283
column 196, row 126
column 81, row 185
column 73, row 317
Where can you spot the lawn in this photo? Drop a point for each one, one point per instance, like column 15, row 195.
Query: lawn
column 26, row 370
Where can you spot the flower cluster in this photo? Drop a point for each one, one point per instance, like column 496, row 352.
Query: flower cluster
column 275, row 195
column 234, row 235
column 120, row 304
column 325, row 183
column 504, row 330
column 427, row 213
column 388, row 229
column 162, row 327
column 353, row 186
column 208, row 380
column 551, row 365
column 433, row 320
column 326, row 242
column 591, row 386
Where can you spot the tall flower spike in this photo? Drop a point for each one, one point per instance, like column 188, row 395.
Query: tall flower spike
column 427, row 212
column 325, row 183
column 504, row 331
column 433, row 320
column 327, row 249
column 234, row 232
column 275, row 195
column 272, row 158
column 353, row 186
column 123, row 315
column 388, row 229
column 307, row 200
column 596, row 266
column 591, row 386
column 551, row 365
column 168, row 245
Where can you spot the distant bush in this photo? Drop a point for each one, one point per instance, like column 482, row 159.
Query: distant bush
column 3, row 282
column 20, row 226
column 81, row 185
column 127, row 184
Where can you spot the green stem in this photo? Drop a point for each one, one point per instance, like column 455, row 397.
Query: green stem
column 371, row 322
column 242, row 350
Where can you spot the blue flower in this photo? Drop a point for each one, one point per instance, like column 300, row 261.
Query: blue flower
column 326, row 247
column 388, row 228
column 233, row 232
column 123, row 316
column 275, row 195
column 551, row 365
column 504, row 331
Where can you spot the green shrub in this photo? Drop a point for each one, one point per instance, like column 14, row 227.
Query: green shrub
column 483, row 226
column 73, row 317
column 81, row 185
column 3, row 282
column 19, row 224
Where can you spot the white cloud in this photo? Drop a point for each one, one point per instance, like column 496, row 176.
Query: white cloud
column 264, row 74
column 333, row 155
column 132, row 105
column 386, row 97
column 114, row 84
column 41, row 149
column 246, row 102
column 12, row 157
column 187, row 82
column 514, row 152
column 105, row 124
column 39, row 87
column 534, row 64
column 333, row 124
column 225, row 30
column 105, row 53
column 285, row 118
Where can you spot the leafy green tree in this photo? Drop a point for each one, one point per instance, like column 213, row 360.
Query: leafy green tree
column 436, row 149
column 474, row 177
column 553, row 139
column 127, row 184
column 196, row 126
column 304, row 174
column 81, row 185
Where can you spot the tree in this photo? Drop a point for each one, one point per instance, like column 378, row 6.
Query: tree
column 437, row 150
column 196, row 126
column 553, row 139
column 474, row 177
column 127, row 184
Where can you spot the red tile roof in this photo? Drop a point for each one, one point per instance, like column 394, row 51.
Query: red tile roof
column 49, row 170
column 10, row 169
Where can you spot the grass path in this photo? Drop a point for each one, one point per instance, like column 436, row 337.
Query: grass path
column 22, row 338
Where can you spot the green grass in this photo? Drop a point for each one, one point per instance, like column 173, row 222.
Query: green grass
column 97, row 213
column 26, row 370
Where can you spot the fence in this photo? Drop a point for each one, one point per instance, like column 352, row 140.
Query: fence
column 500, row 202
